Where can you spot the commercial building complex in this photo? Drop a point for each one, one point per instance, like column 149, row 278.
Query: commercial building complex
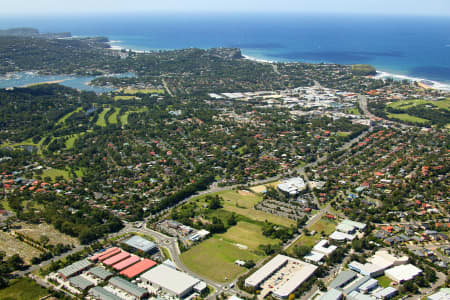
column 281, row 276
column 403, row 273
column 141, row 244
column 138, row 268
column 173, row 282
column 75, row 268
column 292, row 186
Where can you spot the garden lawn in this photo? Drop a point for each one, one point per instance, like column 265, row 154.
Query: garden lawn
column 53, row 173
column 324, row 225
column 384, row 281
column 247, row 234
column 305, row 240
column 214, row 258
column 23, row 289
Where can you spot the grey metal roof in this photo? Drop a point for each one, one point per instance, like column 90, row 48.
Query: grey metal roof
column 80, row 282
column 127, row 286
column 100, row 272
column 102, row 294
column 75, row 267
column 140, row 243
column 342, row 279
column 354, row 286
column 332, row 294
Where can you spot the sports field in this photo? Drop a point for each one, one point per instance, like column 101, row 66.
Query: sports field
column 404, row 104
column 53, row 173
column 214, row 259
column 248, row 235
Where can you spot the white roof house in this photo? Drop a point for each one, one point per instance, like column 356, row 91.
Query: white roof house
column 172, row 281
column 292, row 186
column 403, row 273
column 324, row 247
column 340, row 236
column 358, row 225
column 314, row 256
column 443, row 294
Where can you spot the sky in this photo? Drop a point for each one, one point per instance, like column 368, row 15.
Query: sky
column 396, row 7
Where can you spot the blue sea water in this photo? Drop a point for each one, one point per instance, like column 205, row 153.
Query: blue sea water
column 411, row 46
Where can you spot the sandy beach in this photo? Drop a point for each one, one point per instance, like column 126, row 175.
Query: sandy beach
column 45, row 82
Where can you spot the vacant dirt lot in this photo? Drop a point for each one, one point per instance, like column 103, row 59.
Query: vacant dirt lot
column 36, row 231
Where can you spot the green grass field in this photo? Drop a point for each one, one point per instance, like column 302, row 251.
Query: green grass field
column 353, row 111
column 143, row 91
column 214, row 259
column 247, row 234
column 384, row 281
column 63, row 119
column 125, row 98
column 242, row 203
column 343, row 133
column 324, row 225
column 405, row 104
column 53, row 173
column 113, row 117
column 71, row 140
column 304, row 240
column 407, row 118
column 23, row 289
column 124, row 117
column 101, row 117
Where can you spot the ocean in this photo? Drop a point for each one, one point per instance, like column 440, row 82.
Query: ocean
column 412, row 47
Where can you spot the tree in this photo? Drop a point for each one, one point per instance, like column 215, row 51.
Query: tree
column 301, row 251
column 44, row 240
column 15, row 262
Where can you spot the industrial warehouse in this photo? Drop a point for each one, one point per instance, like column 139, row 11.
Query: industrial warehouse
column 281, row 276
column 114, row 273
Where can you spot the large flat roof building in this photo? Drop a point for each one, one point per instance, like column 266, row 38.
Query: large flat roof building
column 292, row 186
column 141, row 244
column 173, row 282
column 403, row 273
column 301, row 275
column 290, row 273
column 266, row 271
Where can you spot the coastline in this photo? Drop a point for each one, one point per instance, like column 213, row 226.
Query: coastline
column 423, row 82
